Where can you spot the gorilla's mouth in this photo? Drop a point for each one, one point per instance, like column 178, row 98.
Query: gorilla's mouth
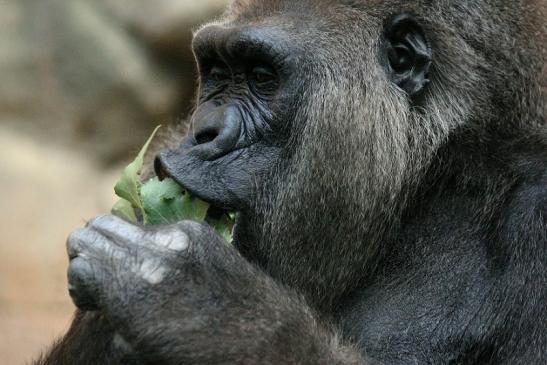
column 229, row 182
column 199, row 178
column 217, row 209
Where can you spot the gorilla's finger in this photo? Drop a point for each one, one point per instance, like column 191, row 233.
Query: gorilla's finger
column 82, row 285
column 88, row 242
column 117, row 229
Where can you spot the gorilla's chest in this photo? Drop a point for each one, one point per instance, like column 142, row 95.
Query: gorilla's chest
column 410, row 324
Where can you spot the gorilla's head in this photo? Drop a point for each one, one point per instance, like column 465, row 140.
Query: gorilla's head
column 317, row 120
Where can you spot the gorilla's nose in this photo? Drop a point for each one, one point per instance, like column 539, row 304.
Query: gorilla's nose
column 215, row 130
column 207, row 130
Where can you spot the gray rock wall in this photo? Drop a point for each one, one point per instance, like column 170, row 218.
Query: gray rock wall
column 97, row 74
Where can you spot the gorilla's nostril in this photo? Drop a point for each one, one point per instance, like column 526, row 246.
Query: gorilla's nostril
column 160, row 169
column 206, row 136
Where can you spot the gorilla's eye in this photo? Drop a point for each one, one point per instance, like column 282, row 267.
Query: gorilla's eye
column 263, row 75
column 219, row 72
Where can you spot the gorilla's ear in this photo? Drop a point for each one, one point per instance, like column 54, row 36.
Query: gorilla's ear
column 408, row 53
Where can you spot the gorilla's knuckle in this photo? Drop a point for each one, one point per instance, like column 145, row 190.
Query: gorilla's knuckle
column 116, row 229
column 195, row 229
column 98, row 221
column 76, row 242
column 172, row 239
column 108, row 223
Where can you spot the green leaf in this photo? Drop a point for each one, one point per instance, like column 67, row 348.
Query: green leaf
column 125, row 210
column 162, row 202
column 223, row 226
column 129, row 184
column 166, row 202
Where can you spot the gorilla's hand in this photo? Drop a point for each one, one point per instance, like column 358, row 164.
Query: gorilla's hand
column 114, row 264
column 180, row 293
column 170, row 285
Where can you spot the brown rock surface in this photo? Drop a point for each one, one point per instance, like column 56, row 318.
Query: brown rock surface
column 45, row 192
column 87, row 71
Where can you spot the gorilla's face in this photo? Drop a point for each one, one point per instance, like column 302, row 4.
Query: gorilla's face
column 304, row 130
column 244, row 112
column 253, row 83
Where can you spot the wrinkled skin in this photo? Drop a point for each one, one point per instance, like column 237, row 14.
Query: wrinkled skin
column 388, row 165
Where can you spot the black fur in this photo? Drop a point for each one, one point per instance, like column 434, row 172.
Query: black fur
column 373, row 225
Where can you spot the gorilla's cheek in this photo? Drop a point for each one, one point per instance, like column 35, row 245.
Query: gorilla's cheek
column 228, row 182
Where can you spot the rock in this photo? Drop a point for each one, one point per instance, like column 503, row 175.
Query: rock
column 46, row 191
column 97, row 74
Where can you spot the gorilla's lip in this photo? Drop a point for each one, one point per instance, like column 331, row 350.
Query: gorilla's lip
column 164, row 169
column 229, row 182
column 215, row 211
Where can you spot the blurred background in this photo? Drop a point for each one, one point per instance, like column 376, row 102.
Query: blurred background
column 82, row 84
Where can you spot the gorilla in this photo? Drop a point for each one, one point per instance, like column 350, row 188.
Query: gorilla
column 387, row 161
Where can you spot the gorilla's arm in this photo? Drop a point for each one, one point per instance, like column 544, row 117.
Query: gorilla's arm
column 90, row 340
column 180, row 295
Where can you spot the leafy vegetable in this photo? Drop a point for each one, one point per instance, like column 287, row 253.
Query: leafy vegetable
column 128, row 187
column 163, row 202
column 125, row 210
column 223, row 225
column 166, row 202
